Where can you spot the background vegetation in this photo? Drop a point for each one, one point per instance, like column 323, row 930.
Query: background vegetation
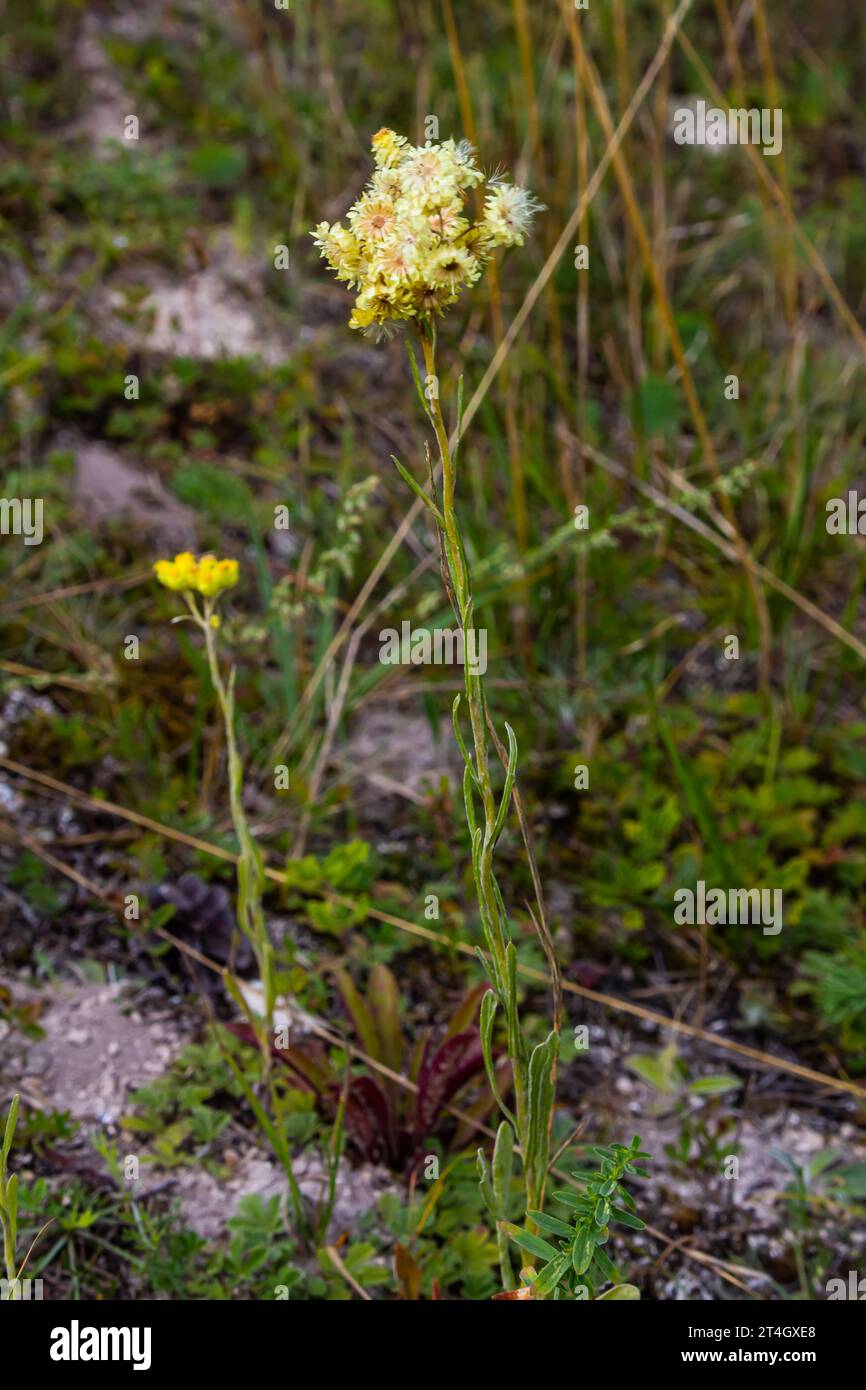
column 155, row 259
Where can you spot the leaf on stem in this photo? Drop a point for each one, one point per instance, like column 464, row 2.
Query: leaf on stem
column 455, row 711
column 488, row 1014
column 416, row 377
column 418, row 490
column 458, row 428
column 533, row 1245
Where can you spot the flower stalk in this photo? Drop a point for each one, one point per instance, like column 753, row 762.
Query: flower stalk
column 533, row 1072
column 200, row 584
column 250, row 868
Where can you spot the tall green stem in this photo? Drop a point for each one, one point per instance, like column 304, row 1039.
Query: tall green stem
column 250, row 870
column 532, row 1075
column 251, row 916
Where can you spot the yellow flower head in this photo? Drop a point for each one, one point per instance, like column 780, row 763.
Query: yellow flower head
column 341, row 250
column 508, row 213
column 387, row 148
column 411, row 245
column 178, row 573
column 207, row 576
column 373, row 218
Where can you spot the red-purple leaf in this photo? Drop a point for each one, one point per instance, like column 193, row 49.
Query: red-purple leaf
column 367, row 1119
column 444, row 1071
column 309, row 1064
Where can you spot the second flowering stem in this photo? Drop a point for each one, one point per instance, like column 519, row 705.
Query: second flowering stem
column 250, row 869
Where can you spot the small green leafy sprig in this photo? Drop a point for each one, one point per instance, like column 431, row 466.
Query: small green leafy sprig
column 580, row 1259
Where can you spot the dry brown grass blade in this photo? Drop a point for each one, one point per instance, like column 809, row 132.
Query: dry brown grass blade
column 333, row 1255
column 94, row 586
column 15, row 668
column 112, row 808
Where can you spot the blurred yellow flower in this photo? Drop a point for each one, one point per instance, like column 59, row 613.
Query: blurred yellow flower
column 410, row 248
column 178, row 573
column 208, row 576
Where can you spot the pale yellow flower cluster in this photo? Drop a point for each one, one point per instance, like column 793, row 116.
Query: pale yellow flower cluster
column 207, row 576
column 409, row 247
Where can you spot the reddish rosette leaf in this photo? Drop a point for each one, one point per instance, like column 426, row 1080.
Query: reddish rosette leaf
column 309, row 1064
column 444, row 1071
column 367, row 1120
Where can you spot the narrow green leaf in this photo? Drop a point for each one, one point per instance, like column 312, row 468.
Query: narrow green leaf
column 418, row 491
column 714, row 1086
column 488, row 966
column 384, row 996
column 606, row 1267
column 583, row 1249
column 12, row 1209
column 539, row 1104
column 416, row 377
column 625, row 1218
column 551, row 1224
column 11, row 1122
column 570, row 1199
column 511, row 992
column 503, row 912
column 485, row 1027
column 484, row 1185
column 510, row 773
column 455, row 712
column 533, row 1244
column 458, row 428
column 551, row 1275
column 360, row 1015
column 503, row 1165
column 469, row 804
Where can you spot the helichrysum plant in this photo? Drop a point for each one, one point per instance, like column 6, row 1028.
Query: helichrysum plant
column 411, row 244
